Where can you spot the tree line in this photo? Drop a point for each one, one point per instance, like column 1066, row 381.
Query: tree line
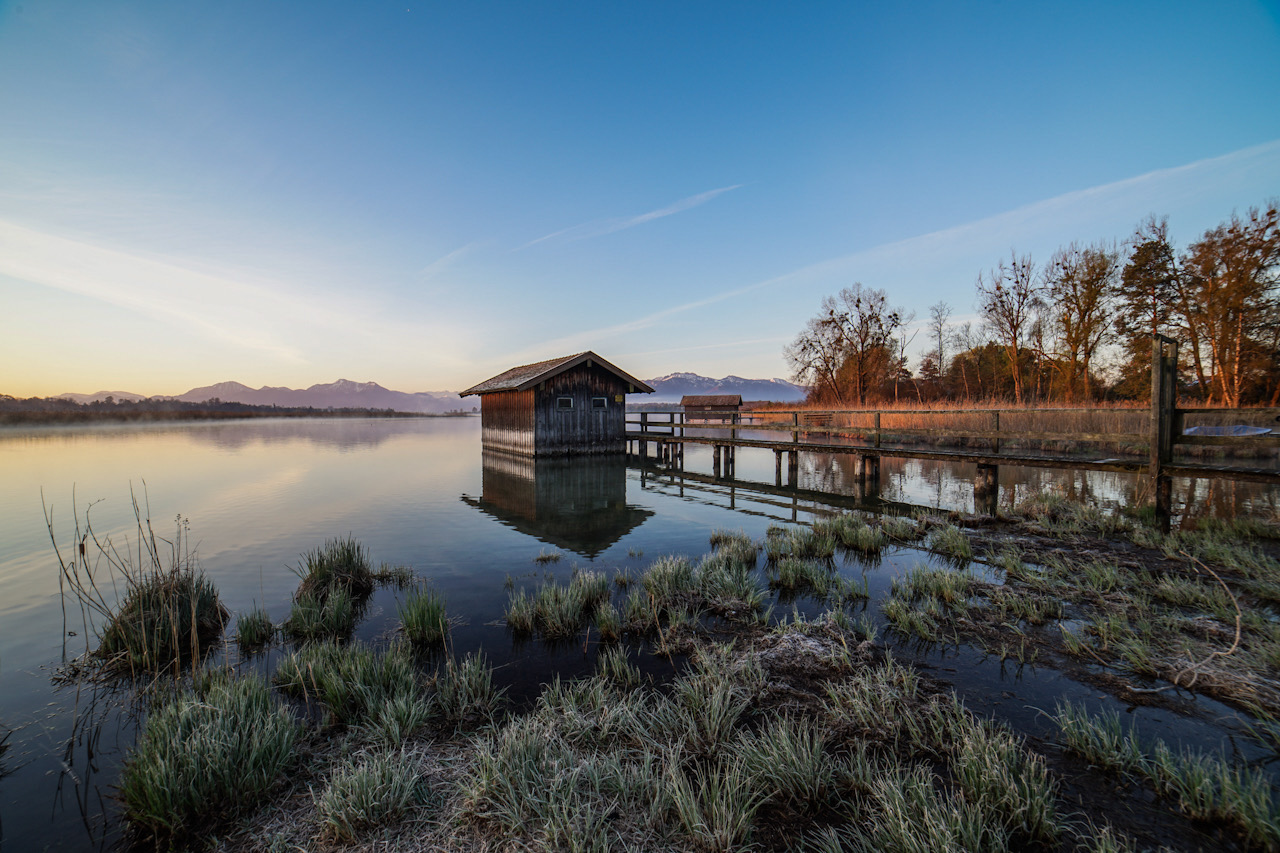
column 1077, row 328
column 47, row 410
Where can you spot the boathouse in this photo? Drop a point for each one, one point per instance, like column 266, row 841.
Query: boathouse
column 716, row 405
column 565, row 406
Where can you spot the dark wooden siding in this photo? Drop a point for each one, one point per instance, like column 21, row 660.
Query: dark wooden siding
column 506, row 421
column 581, row 429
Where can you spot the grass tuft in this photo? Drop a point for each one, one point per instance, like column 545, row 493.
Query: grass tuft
column 465, row 694
column 204, row 756
column 166, row 617
column 368, row 793
column 254, row 629
column 422, row 617
column 353, row 682
column 316, row 618
column 341, row 563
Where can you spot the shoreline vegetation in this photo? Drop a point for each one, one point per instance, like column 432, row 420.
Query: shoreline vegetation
column 822, row 730
column 55, row 410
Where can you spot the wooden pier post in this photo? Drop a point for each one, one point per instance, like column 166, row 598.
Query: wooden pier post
column 715, row 461
column 1164, row 401
column 793, row 467
column 729, row 453
column 644, row 445
column 777, row 467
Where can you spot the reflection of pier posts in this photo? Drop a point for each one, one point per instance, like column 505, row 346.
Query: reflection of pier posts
column 986, row 489
column 644, row 445
column 868, row 472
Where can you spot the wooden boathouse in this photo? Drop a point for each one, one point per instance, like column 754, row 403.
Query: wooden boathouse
column 564, row 406
column 720, row 406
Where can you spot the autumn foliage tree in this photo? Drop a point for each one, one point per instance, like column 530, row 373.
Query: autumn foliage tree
column 1227, row 303
column 1078, row 329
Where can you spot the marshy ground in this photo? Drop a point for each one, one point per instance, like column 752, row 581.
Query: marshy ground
column 804, row 712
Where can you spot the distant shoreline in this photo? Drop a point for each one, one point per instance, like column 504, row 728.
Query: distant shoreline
column 37, row 418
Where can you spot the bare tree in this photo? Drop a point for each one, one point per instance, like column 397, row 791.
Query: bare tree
column 816, row 356
column 1080, row 283
column 962, row 339
column 1009, row 299
column 847, row 349
column 900, row 343
column 939, row 314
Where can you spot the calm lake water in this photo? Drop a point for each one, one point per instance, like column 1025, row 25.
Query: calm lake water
column 257, row 494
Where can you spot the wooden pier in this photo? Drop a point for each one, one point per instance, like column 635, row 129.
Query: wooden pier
column 659, row 438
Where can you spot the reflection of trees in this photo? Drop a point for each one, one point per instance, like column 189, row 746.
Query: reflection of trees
column 949, row 485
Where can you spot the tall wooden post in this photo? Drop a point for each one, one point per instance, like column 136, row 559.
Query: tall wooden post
column 1164, row 401
column 877, row 429
column 715, row 461
column 644, row 445
column 995, row 427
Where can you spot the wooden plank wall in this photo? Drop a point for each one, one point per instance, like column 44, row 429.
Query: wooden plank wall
column 582, row 429
column 506, row 421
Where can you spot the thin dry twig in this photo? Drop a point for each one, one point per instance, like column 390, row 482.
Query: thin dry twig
column 1195, row 668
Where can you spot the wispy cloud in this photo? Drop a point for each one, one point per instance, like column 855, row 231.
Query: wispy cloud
column 600, row 227
column 439, row 265
column 752, row 342
column 222, row 308
column 955, row 254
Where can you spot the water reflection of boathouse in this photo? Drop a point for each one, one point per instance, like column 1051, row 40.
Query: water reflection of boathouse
column 577, row 504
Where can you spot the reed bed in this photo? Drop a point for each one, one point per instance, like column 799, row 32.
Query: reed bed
column 168, row 612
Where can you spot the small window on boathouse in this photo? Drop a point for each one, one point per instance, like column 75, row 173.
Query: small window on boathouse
column 599, row 402
column 564, row 403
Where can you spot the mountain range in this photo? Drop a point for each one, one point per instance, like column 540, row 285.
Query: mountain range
column 370, row 395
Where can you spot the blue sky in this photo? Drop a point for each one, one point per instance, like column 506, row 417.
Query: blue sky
column 425, row 194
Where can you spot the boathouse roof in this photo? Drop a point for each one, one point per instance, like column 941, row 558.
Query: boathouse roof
column 734, row 400
column 527, row 376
